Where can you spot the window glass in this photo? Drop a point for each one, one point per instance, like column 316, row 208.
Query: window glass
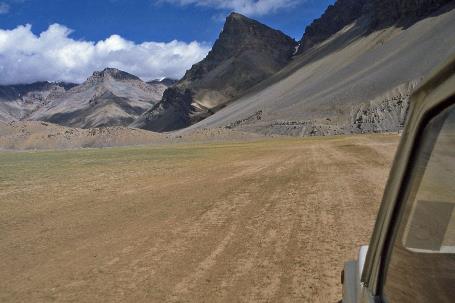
column 421, row 266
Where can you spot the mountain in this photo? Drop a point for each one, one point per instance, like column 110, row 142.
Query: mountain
column 108, row 98
column 352, row 72
column 245, row 53
column 18, row 101
column 355, row 70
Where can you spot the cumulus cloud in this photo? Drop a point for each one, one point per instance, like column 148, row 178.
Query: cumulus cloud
column 247, row 7
column 4, row 8
column 55, row 56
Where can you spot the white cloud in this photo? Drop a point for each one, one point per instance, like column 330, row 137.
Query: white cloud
column 247, row 7
column 4, row 8
column 55, row 56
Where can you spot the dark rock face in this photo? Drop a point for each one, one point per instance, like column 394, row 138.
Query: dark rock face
column 167, row 116
column 337, row 16
column 379, row 13
column 245, row 53
column 390, row 11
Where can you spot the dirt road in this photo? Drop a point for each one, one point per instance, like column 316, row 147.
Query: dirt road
column 270, row 221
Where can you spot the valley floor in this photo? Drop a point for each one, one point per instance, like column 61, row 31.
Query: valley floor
column 265, row 221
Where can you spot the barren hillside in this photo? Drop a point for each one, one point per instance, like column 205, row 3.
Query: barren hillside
column 108, row 98
column 356, row 81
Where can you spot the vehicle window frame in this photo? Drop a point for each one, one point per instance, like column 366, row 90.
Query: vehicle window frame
column 411, row 177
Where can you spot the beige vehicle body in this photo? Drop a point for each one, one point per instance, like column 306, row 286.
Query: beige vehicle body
column 411, row 254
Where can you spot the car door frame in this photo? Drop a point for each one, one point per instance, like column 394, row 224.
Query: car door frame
column 430, row 99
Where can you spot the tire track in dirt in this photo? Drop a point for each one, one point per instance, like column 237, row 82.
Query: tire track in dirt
column 254, row 214
column 290, row 212
column 215, row 218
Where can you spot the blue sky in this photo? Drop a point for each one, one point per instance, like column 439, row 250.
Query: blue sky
column 133, row 22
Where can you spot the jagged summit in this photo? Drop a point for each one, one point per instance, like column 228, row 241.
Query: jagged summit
column 235, row 15
column 114, row 73
column 238, row 18
column 241, row 34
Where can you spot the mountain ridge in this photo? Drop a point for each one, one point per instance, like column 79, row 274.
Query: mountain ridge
column 110, row 97
column 18, row 101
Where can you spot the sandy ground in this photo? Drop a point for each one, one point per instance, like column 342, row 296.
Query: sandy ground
column 269, row 221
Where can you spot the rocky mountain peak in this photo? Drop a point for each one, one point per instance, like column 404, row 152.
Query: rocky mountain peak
column 246, row 28
column 114, row 73
column 236, row 16
column 241, row 34
column 238, row 23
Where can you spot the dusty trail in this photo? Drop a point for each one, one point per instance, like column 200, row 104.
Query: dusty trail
column 270, row 221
